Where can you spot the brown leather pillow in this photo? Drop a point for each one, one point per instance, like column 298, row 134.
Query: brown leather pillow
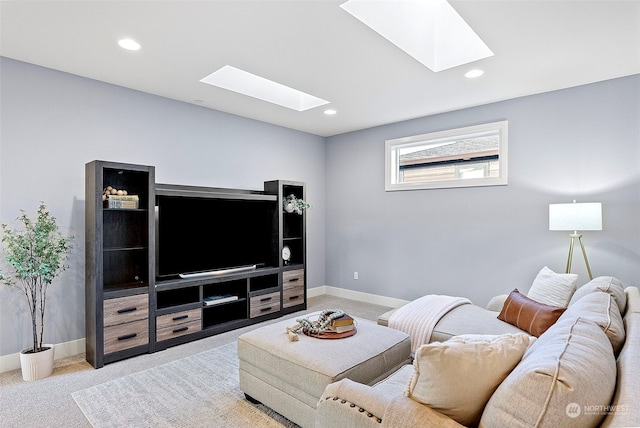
column 529, row 315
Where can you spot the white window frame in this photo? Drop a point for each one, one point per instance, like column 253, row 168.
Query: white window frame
column 392, row 155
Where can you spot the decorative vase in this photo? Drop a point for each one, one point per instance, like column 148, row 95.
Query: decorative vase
column 37, row 365
column 289, row 207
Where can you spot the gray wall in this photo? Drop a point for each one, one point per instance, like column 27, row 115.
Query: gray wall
column 52, row 123
column 581, row 143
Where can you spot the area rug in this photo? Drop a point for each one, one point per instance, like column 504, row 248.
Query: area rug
column 196, row 391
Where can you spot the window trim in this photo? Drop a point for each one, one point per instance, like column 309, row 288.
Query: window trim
column 392, row 155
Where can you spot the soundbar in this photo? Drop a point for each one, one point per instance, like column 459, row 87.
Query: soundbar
column 218, row 272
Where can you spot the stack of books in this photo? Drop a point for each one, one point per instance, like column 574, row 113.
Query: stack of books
column 121, row 201
column 343, row 324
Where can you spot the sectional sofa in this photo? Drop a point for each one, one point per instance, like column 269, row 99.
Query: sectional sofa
column 583, row 370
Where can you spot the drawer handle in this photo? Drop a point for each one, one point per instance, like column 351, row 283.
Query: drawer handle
column 266, row 299
column 294, row 279
column 178, row 330
column 180, row 317
column 127, row 336
column 125, row 310
column 293, row 297
column 265, row 309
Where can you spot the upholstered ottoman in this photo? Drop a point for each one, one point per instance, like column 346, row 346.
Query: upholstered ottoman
column 290, row 377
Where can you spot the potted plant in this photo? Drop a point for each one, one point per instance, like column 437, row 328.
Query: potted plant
column 36, row 254
column 292, row 204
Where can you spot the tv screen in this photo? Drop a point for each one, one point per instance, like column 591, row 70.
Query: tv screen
column 201, row 234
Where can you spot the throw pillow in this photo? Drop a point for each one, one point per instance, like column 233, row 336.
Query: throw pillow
column 529, row 315
column 552, row 288
column 458, row 376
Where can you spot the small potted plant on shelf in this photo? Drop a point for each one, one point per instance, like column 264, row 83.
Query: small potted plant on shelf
column 36, row 254
column 292, row 204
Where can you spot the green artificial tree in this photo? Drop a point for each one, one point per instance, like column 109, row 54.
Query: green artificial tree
column 37, row 254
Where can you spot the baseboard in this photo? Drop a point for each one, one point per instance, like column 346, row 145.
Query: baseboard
column 356, row 295
column 62, row 350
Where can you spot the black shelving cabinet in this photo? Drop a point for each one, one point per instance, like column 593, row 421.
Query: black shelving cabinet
column 119, row 265
column 138, row 250
column 291, row 233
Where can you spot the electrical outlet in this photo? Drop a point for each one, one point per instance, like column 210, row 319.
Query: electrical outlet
column 355, row 275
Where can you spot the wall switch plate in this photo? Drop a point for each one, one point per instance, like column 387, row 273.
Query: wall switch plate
column 355, row 275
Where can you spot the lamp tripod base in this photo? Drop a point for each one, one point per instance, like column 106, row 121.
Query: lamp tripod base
column 584, row 253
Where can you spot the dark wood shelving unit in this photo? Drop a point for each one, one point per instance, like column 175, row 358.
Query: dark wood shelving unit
column 133, row 308
column 119, row 263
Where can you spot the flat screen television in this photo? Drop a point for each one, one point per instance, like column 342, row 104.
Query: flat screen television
column 196, row 235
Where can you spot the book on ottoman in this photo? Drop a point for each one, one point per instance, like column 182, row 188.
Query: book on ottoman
column 342, row 321
column 342, row 328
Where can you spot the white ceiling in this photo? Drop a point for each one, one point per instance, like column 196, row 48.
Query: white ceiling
column 316, row 47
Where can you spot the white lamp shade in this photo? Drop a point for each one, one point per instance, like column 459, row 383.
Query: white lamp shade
column 582, row 216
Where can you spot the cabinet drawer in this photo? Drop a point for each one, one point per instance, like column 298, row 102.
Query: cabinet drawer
column 125, row 336
column 170, row 320
column 264, row 304
column 179, row 329
column 293, row 278
column 293, row 296
column 126, row 309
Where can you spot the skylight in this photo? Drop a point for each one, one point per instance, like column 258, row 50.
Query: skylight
column 243, row 82
column 431, row 31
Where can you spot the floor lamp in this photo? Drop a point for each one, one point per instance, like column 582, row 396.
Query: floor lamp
column 575, row 217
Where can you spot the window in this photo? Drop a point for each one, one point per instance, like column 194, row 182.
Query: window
column 463, row 157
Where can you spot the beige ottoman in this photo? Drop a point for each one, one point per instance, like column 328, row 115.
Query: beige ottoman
column 290, row 377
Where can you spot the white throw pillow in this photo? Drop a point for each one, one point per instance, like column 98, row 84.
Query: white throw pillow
column 552, row 288
column 457, row 377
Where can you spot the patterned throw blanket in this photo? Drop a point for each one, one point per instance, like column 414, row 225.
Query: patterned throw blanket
column 419, row 317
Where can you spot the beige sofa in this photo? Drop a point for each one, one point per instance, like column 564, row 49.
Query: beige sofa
column 583, row 371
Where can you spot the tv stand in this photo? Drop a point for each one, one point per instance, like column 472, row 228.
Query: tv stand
column 217, row 272
column 131, row 310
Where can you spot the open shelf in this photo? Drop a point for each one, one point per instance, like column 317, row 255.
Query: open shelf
column 224, row 313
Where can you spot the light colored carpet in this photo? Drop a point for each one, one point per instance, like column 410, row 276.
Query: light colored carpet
column 200, row 390
column 49, row 403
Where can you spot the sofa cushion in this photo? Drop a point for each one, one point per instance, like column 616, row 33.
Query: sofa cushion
column 470, row 319
column 602, row 309
column 457, row 377
column 633, row 301
column 554, row 289
column 607, row 284
column 624, row 406
column 528, row 314
column 496, row 303
column 569, row 367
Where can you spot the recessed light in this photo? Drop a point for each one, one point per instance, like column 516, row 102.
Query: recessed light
column 243, row 82
column 473, row 73
column 330, row 112
column 129, row 44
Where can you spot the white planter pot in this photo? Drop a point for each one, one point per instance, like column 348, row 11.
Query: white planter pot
column 37, row 366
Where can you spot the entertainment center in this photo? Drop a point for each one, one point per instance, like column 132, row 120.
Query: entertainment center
column 167, row 264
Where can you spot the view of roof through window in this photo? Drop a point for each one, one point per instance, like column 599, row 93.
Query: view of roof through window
column 458, row 149
column 471, row 157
